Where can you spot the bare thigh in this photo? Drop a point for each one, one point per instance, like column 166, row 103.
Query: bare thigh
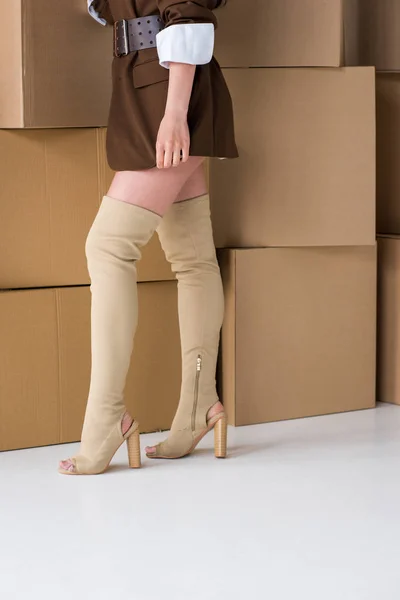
column 157, row 189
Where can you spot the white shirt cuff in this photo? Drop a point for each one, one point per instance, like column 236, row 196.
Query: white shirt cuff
column 191, row 43
column 95, row 14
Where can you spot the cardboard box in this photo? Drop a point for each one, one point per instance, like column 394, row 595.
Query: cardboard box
column 45, row 363
column 306, row 172
column 389, row 320
column 55, row 65
column 372, row 33
column 310, row 33
column 281, row 33
column 388, row 153
column 52, row 182
column 299, row 333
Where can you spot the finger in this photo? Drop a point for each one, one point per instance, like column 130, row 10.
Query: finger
column 160, row 156
column 167, row 156
column 176, row 159
column 185, row 152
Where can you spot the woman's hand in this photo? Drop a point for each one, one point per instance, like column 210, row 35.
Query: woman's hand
column 173, row 140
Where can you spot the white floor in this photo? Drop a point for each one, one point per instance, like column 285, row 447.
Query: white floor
column 306, row 509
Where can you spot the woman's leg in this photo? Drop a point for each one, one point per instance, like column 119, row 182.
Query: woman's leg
column 126, row 221
column 195, row 186
column 186, row 237
column 155, row 189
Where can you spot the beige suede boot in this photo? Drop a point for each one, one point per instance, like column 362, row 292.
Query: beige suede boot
column 113, row 248
column 186, row 237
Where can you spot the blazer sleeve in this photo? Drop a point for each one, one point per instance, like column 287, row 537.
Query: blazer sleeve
column 100, row 11
column 188, row 36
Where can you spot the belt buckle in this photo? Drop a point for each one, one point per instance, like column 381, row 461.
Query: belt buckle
column 121, row 33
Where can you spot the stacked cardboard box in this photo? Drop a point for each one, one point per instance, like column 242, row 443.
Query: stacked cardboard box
column 310, row 33
column 389, row 319
column 45, row 363
column 375, row 41
column 388, row 205
column 54, row 94
column 53, row 66
column 294, row 217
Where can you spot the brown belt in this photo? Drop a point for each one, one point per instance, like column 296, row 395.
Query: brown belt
column 131, row 35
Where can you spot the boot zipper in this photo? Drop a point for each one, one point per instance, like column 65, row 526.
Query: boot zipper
column 196, row 391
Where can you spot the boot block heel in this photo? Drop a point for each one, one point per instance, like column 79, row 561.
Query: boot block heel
column 220, row 438
column 133, row 443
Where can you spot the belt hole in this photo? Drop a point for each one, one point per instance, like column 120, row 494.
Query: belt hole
column 141, row 43
column 151, row 42
column 149, row 31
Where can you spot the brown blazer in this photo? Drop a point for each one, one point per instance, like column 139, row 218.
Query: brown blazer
column 140, row 87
